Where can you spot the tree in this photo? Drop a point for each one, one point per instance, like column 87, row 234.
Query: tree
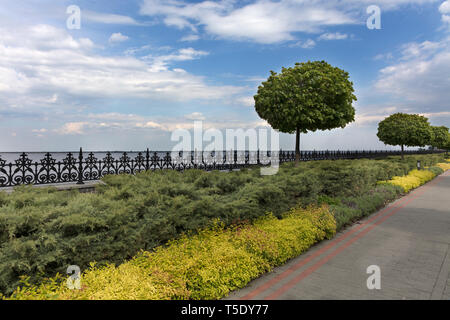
column 308, row 97
column 403, row 129
column 440, row 137
column 447, row 145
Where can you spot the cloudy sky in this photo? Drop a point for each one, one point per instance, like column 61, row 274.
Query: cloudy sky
column 137, row 70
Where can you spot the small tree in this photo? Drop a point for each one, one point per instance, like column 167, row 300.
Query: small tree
column 446, row 146
column 403, row 129
column 308, row 97
column 440, row 137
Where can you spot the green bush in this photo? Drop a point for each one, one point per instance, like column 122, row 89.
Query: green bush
column 436, row 170
column 350, row 209
column 207, row 265
column 43, row 231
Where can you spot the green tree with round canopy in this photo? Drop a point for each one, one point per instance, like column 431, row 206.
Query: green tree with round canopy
column 440, row 138
column 446, row 146
column 401, row 129
column 307, row 97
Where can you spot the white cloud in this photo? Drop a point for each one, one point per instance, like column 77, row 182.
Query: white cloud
column 437, row 114
column 42, row 37
column 333, row 36
column 195, row 116
column 246, row 101
column 43, row 60
column 161, row 62
column 384, row 56
column 137, row 50
column 72, row 128
column 444, row 9
column 374, row 116
column 308, row 44
column 118, row 37
column 421, row 50
column 110, row 18
column 190, row 37
column 149, row 124
column 420, row 76
column 264, row 21
column 43, row 130
column 111, row 122
column 261, row 21
column 53, row 99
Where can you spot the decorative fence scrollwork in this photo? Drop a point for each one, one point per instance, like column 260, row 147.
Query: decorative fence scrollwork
column 87, row 167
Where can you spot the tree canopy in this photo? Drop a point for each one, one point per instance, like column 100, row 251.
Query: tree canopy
column 307, row 97
column 440, row 138
column 403, row 129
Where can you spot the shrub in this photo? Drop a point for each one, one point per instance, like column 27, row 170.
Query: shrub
column 436, row 170
column 43, row 231
column 444, row 166
column 207, row 265
column 413, row 180
column 350, row 209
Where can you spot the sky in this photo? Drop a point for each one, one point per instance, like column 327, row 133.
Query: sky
column 134, row 71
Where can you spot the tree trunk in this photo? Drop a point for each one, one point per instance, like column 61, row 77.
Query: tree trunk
column 297, row 148
column 403, row 149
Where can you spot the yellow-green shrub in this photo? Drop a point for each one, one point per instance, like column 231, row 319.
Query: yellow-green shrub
column 125, row 282
column 207, row 265
column 444, row 166
column 412, row 180
column 300, row 229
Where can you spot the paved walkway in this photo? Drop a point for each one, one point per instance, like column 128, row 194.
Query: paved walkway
column 409, row 240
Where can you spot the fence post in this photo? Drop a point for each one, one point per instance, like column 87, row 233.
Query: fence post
column 80, row 167
column 147, row 160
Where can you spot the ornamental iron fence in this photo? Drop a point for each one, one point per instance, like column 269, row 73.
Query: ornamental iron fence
column 87, row 167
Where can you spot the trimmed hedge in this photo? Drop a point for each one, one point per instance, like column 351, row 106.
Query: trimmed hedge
column 207, row 265
column 43, row 231
column 412, row 180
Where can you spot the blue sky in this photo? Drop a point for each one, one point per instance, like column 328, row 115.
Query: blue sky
column 137, row 70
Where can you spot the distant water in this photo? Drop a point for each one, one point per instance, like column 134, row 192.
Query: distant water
column 59, row 156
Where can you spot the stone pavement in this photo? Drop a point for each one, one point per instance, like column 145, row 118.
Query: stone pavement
column 409, row 241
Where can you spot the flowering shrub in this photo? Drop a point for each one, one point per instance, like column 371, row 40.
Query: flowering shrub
column 207, row 265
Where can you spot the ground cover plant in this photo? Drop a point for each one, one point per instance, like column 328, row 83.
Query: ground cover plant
column 42, row 231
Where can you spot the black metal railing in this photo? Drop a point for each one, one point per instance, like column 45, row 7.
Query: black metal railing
column 86, row 166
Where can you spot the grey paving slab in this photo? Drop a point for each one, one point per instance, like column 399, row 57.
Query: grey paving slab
column 409, row 241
